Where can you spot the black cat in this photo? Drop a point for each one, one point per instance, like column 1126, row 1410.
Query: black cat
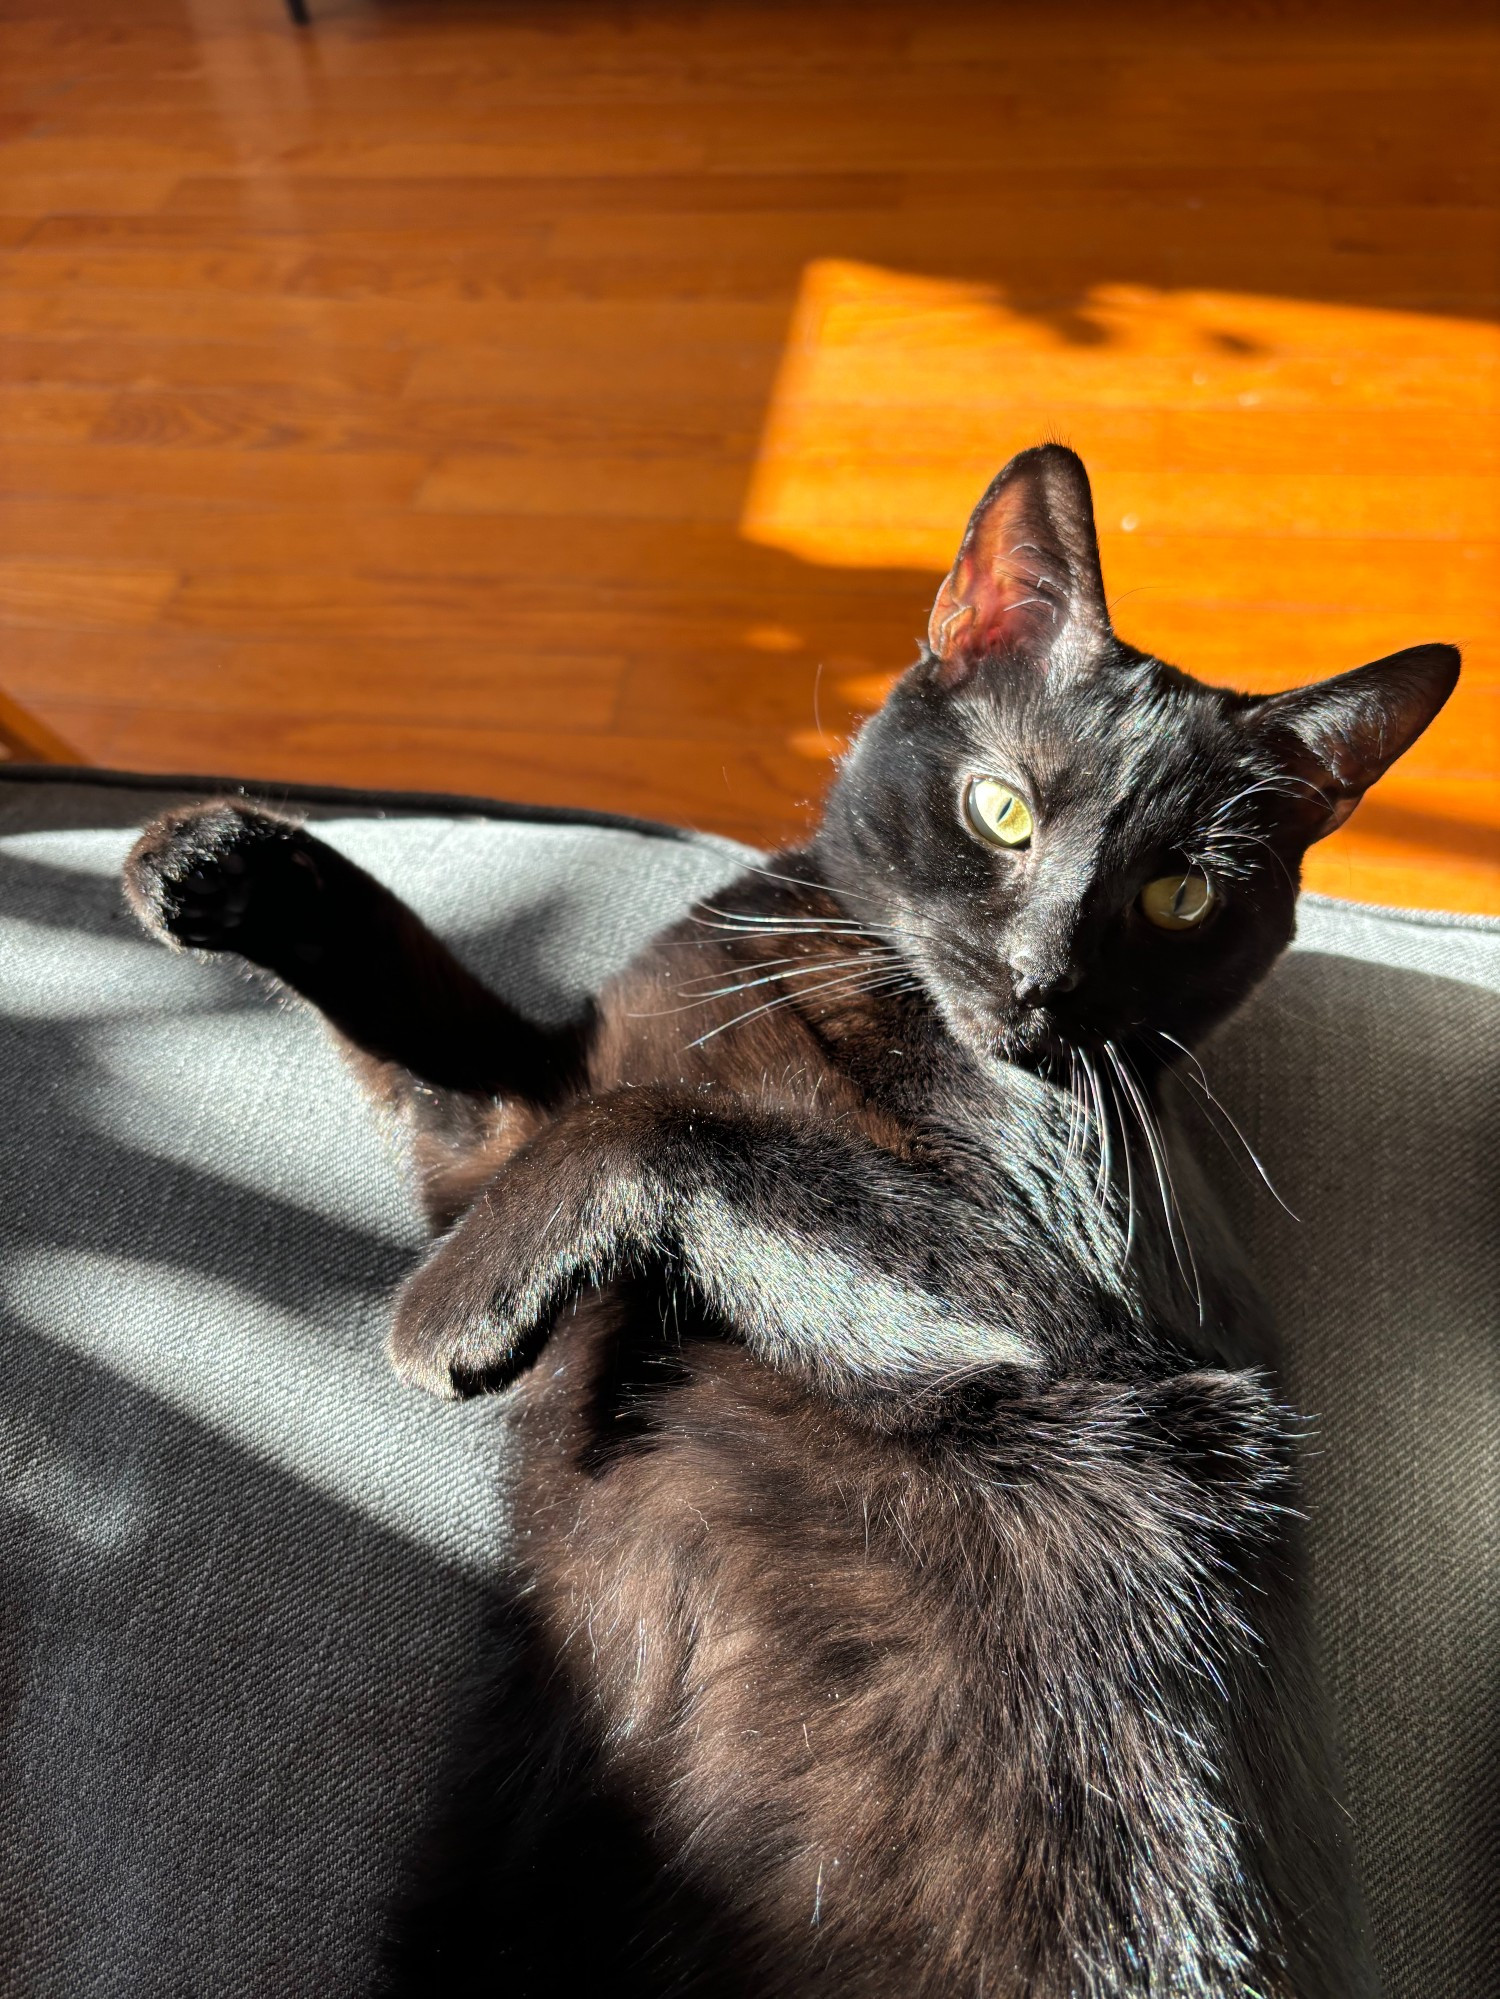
column 909, row 1602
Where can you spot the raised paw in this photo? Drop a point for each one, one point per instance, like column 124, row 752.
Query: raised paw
column 222, row 877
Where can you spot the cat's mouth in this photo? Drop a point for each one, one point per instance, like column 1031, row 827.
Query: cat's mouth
column 1039, row 1032
column 993, row 1022
column 1036, row 1033
column 1029, row 1035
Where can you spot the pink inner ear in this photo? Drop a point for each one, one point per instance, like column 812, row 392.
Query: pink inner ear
column 1027, row 568
column 993, row 604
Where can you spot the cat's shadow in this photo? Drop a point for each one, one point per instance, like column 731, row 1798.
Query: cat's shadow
column 528, row 1878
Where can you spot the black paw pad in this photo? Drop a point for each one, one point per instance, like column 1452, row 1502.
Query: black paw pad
column 210, row 900
column 205, row 876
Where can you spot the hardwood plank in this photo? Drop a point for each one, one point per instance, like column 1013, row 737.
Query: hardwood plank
column 1416, row 846
column 650, row 487
column 250, row 479
column 1455, row 585
column 473, row 202
column 749, row 785
column 156, row 359
column 667, row 565
column 675, row 330
column 100, row 192
column 76, row 594
column 499, row 684
column 1426, row 258
column 50, row 415
column 261, row 418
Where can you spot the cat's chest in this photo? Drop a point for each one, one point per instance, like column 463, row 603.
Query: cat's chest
column 900, row 1084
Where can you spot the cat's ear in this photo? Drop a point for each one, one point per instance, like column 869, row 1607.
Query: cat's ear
column 1027, row 576
column 1339, row 735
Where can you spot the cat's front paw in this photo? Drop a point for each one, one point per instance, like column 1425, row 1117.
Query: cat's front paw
column 451, row 1343
column 207, row 877
column 479, row 1310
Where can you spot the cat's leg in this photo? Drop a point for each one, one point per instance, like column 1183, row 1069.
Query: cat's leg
column 226, row 876
column 465, row 1074
column 828, row 1255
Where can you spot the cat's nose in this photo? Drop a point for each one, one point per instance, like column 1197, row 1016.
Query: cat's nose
column 1036, row 983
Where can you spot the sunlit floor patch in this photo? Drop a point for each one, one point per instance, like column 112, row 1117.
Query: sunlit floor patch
column 1285, row 488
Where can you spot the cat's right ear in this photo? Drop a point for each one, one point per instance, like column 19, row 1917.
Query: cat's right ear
column 1026, row 582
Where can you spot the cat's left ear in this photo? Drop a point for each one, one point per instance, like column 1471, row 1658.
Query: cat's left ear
column 1338, row 736
column 1026, row 580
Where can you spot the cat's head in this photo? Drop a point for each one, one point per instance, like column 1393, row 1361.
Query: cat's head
column 1078, row 842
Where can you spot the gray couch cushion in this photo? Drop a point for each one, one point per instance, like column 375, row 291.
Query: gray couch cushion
column 1367, row 1073
column 244, row 1575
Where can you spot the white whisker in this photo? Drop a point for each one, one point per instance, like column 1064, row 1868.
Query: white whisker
column 1155, row 1145
column 1104, row 1171
column 1200, row 1080
column 1070, row 1151
column 1129, row 1186
column 838, row 983
column 796, row 968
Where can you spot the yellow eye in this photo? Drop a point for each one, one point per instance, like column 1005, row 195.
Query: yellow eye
column 1177, row 902
column 997, row 814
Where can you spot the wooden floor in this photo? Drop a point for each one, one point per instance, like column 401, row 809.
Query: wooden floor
column 579, row 402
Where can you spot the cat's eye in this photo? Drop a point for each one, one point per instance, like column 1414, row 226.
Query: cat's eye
column 997, row 814
column 1177, row 902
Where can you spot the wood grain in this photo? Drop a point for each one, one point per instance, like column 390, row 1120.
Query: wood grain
column 580, row 404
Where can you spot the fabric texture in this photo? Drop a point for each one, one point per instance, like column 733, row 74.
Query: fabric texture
column 1366, row 1073
column 244, row 1575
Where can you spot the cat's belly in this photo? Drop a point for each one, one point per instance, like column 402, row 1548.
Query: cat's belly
column 776, row 1687
column 872, row 1700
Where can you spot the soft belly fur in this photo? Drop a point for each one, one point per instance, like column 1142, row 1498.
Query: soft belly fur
column 868, row 1765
